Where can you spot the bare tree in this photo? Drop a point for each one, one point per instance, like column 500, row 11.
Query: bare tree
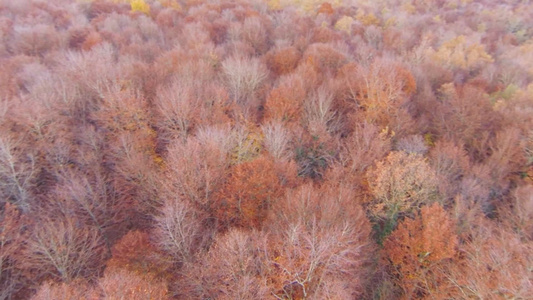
column 364, row 146
column 243, row 77
column 90, row 198
column 62, row 248
column 17, row 173
column 197, row 166
column 495, row 265
column 232, row 269
column 276, row 139
column 94, row 71
column 177, row 107
column 318, row 238
column 321, row 118
column 34, row 39
column 177, row 230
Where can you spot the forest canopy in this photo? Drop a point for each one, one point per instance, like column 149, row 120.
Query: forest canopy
column 280, row 149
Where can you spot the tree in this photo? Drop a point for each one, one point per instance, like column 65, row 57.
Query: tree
column 243, row 77
column 34, row 39
column 75, row 290
column 177, row 230
column 457, row 53
column 518, row 213
column 366, row 145
column 319, row 241
column 196, row 168
column 418, row 248
column 176, row 107
column 400, row 184
column 12, row 237
column 130, row 150
column 451, row 164
column 90, row 199
column 465, row 116
column 123, row 284
column 276, row 140
column 283, row 60
column 320, row 117
column 234, row 268
column 63, row 249
column 255, row 31
column 325, row 58
column 285, row 101
column 248, row 194
column 495, row 265
column 380, row 92
column 17, row 173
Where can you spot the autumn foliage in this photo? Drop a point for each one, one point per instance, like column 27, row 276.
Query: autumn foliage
column 192, row 149
column 249, row 193
column 417, row 248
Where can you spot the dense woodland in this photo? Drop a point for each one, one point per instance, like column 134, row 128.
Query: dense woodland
column 299, row 149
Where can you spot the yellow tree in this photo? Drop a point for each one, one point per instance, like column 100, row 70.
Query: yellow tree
column 399, row 184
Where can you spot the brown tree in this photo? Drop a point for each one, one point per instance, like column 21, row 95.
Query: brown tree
column 75, row 290
column 12, row 237
column 136, row 252
column 285, row 101
column 283, row 60
column 124, row 284
column 418, row 248
column 249, row 193
column 366, row 145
